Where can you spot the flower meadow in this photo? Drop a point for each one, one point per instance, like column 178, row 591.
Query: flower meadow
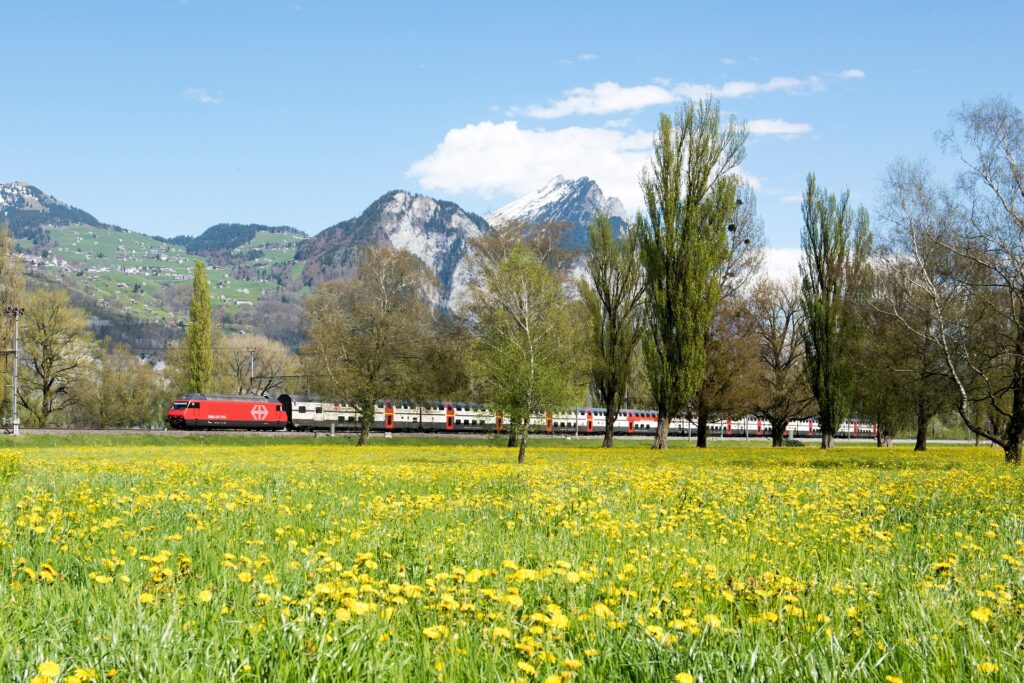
column 259, row 559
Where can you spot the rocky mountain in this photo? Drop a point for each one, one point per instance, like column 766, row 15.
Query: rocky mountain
column 29, row 210
column 436, row 231
column 570, row 201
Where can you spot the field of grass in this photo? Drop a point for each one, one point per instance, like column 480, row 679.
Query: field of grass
column 260, row 559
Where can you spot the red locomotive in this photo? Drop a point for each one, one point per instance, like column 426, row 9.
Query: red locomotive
column 216, row 411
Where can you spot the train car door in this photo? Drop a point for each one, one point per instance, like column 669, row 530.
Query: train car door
column 590, row 422
column 759, row 432
column 547, row 422
column 499, row 421
column 449, row 418
column 728, row 426
column 389, row 415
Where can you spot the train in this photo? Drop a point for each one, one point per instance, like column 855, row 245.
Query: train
column 308, row 414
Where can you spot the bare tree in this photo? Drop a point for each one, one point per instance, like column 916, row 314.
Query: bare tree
column 365, row 334
column 968, row 256
column 252, row 364
column 784, row 393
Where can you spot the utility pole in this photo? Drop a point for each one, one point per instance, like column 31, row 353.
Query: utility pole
column 14, row 312
column 252, row 368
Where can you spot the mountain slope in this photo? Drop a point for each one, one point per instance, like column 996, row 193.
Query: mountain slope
column 570, row 201
column 437, row 232
column 228, row 236
column 28, row 210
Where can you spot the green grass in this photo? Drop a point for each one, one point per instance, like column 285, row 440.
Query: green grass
column 424, row 559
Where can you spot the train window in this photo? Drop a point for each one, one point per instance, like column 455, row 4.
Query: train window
column 179, row 405
column 319, row 409
column 302, row 409
column 193, row 404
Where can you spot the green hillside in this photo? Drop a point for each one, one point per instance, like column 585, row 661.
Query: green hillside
column 151, row 279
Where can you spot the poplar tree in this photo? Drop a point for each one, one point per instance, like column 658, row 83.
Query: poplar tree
column 613, row 298
column 835, row 241
column 200, row 332
column 690, row 197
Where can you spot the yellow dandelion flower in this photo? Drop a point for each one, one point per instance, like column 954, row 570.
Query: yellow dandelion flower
column 526, row 668
column 49, row 669
column 146, row 598
column 205, row 596
column 684, row 677
column 988, row 667
column 981, row 614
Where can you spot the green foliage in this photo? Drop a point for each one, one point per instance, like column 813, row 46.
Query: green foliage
column 198, row 338
column 690, row 197
column 57, row 354
column 836, row 243
column 227, row 236
column 526, row 358
column 122, row 391
column 613, row 299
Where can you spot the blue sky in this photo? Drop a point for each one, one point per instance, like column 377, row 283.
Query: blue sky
column 167, row 117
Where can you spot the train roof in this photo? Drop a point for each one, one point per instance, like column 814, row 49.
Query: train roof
column 226, row 397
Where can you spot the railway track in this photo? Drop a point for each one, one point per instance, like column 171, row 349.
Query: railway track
column 375, row 435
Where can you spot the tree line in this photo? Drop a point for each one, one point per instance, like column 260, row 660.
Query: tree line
column 898, row 326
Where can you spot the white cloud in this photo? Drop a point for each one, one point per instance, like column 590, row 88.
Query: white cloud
column 501, row 158
column 603, row 98
column 791, row 198
column 587, row 57
column 782, row 264
column 739, row 88
column 618, row 123
column 489, row 158
column 728, row 61
column 851, row 73
column 608, row 97
column 202, row 96
column 777, row 127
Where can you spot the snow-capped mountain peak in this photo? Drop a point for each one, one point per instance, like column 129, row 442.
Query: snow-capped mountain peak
column 572, row 201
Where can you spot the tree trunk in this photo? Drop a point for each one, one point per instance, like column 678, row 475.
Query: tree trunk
column 1012, row 452
column 522, row 447
column 828, row 438
column 513, row 439
column 661, row 436
column 922, row 429
column 702, row 429
column 610, row 415
column 778, row 432
column 884, row 438
column 365, row 422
